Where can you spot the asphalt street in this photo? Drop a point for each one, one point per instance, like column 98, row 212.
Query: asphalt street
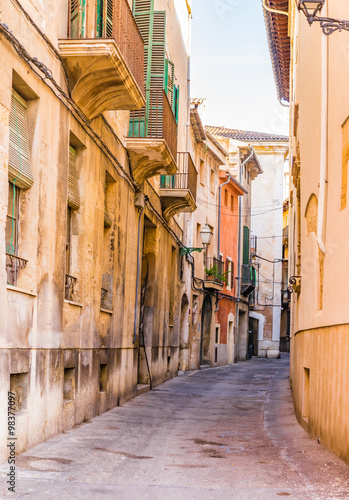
column 219, row 433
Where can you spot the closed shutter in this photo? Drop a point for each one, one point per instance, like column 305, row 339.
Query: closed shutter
column 19, row 167
column 77, row 18
column 73, row 198
column 169, row 80
column 246, row 246
column 152, row 25
column 176, row 102
column 107, row 219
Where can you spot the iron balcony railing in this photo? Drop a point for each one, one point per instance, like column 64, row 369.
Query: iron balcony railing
column 214, row 269
column 156, row 120
column 117, row 23
column 248, row 275
column 285, row 236
column 13, row 265
column 186, row 178
column 70, row 284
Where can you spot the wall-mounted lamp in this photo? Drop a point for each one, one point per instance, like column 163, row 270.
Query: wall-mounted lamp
column 206, row 236
column 311, row 9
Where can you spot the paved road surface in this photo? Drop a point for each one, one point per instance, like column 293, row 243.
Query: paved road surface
column 222, row 433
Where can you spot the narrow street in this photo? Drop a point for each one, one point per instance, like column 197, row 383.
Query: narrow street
column 226, row 432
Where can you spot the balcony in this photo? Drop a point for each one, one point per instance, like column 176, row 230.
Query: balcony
column 13, row 265
column 214, row 269
column 178, row 192
column 106, row 72
column 285, row 236
column 152, row 138
column 248, row 280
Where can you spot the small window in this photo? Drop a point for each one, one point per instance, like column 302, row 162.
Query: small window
column 69, row 384
column 13, row 262
column 198, row 236
column 202, row 172
column 212, row 181
column 226, row 197
column 103, row 377
column 218, row 332
column 19, row 387
column 232, row 203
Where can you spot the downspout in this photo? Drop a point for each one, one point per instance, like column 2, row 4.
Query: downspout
column 138, row 275
column 323, row 152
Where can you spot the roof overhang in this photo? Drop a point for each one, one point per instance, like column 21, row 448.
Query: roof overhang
column 279, row 46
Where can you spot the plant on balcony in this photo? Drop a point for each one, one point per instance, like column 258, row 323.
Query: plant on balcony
column 212, row 273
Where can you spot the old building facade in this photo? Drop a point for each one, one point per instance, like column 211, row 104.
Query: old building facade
column 311, row 71
column 94, row 108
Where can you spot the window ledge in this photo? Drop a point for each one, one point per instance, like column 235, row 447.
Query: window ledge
column 21, row 290
column 72, row 303
column 228, row 288
column 107, row 311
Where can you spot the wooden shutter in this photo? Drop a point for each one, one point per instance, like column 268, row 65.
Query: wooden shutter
column 73, row 197
column 246, row 246
column 152, row 25
column 109, row 18
column 107, row 219
column 77, row 18
column 169, row 80
column 19, row 167
column 176, row 102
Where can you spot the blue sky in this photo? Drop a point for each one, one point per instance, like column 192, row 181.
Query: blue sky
column 231, row 67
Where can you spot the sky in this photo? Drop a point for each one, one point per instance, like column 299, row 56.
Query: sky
column 231, row 66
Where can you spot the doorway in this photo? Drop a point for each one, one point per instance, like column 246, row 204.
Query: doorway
column 184, row 335
column 206, row 319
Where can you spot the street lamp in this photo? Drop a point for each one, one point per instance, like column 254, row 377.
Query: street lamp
column 206, row 236
column 311, row 9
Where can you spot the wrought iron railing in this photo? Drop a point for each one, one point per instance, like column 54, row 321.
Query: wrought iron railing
column 156, row 120
column 285, row 235
column 186, row 178
column 214, row 270
column 248, row 275
column 70, row 284
column 13, row 265
column 120, row 25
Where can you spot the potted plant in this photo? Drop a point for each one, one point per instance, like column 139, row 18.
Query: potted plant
column 212, row 273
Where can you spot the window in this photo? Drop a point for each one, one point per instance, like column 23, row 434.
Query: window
column 19, row 386
column 105, row 16
column 226, row 197
column 230, row 273
column 246, row 246
column 103, row 377
column 77, row 19
column 202, row 172
column 20, row 176
column 69, row 384
column 232, row 203
column 212, row 181
column 198, row 236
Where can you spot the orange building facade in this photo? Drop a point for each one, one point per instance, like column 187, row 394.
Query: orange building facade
column 225, row 334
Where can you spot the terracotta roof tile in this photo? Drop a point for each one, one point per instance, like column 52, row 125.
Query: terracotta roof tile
column 279, row 46
column 245, row 135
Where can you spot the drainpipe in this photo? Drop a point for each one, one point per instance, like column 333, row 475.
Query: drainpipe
column 138, row 275
column 323, row 152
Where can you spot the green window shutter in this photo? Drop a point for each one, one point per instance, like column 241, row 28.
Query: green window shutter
column 169, row 80
column 19, row 166
column 176, row 102
column 246, row 246
column 105, row 18
column 77, row 18
column 73, row 197
column 152, row 25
